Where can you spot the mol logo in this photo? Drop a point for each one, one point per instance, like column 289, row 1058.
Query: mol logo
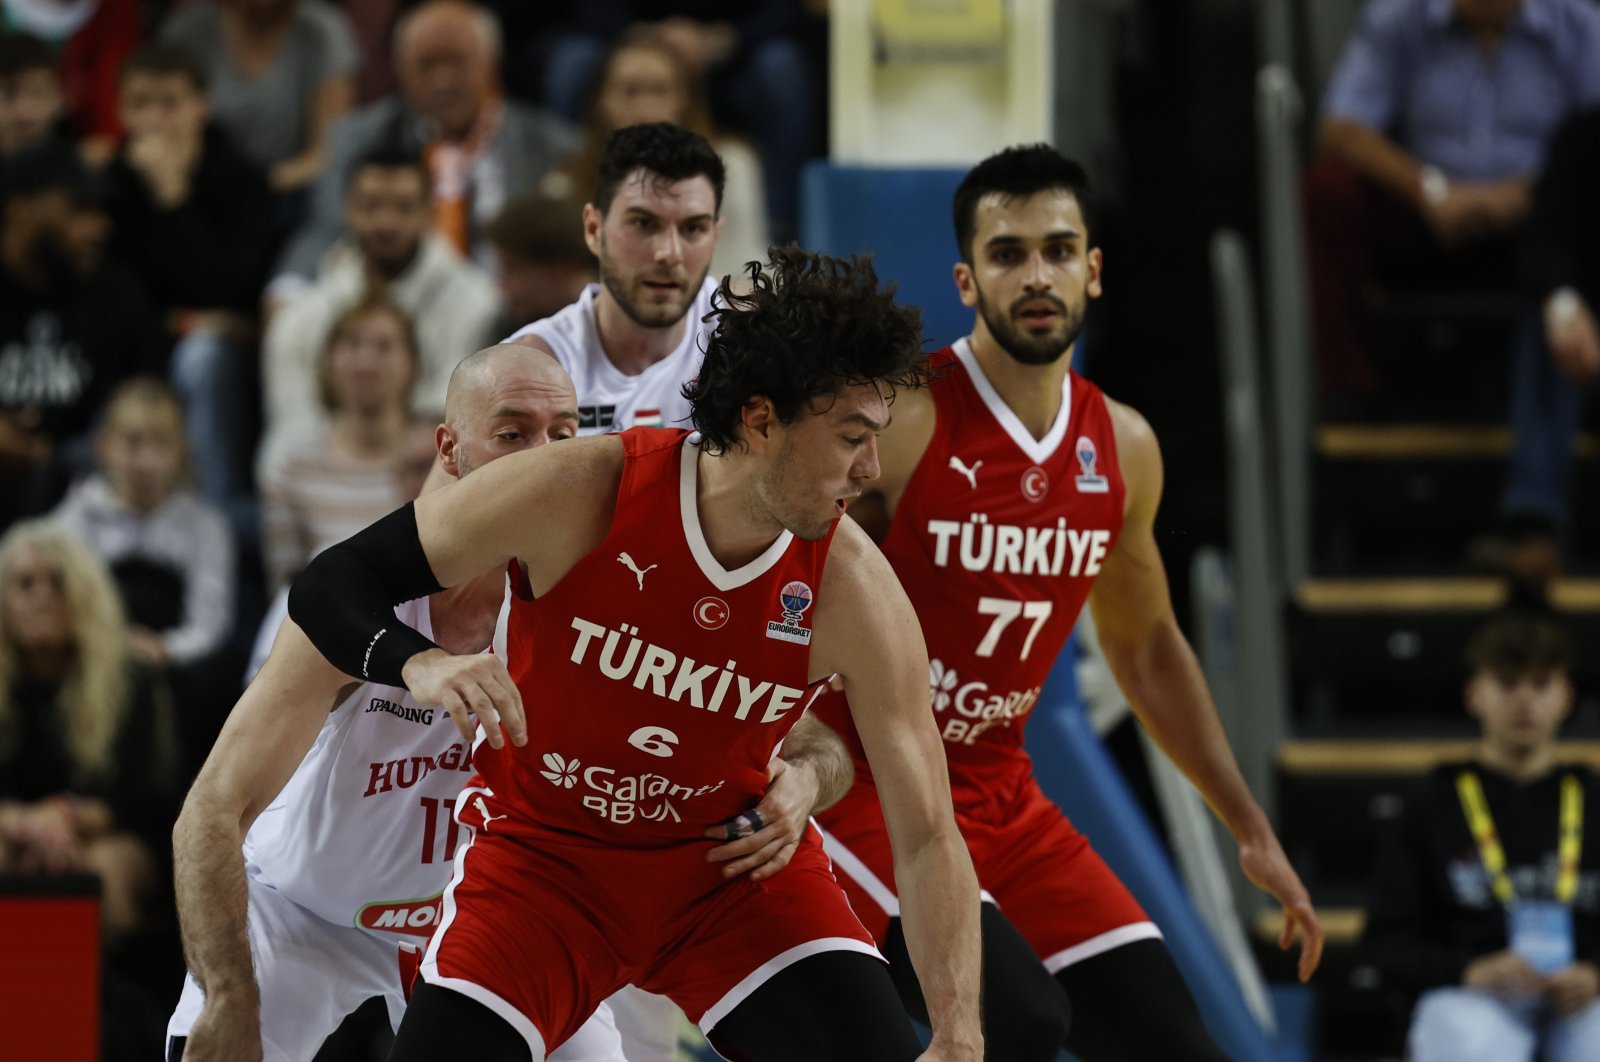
column 561, row 772
column 415, row 918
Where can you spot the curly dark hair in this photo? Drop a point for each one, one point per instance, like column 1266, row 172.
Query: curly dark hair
column 810, row 325
column 1018, row 171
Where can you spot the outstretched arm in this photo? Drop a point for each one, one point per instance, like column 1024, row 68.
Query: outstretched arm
column 867, row 632
column 265, row 738
column 548, row 509
column 1157, row 670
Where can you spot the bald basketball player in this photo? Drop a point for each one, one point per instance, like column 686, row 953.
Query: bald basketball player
column 343, row 795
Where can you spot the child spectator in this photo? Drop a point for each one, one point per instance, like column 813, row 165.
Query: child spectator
column 32, row 106
column 170, row 552
column 91, row 38
column 1486, row 897
column 326, row 483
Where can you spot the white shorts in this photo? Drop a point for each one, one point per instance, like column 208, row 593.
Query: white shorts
column 312, row 974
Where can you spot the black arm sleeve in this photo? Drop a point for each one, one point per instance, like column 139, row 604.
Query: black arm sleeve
column 344, row 599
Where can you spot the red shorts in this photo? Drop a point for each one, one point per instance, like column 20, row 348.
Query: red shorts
column 1031, row 863
column 541, row 936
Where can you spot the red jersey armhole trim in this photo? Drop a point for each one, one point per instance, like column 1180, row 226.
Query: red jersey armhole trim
column 519, row 580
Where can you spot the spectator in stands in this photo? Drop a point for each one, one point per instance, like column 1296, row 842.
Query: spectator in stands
column 32, row 105
column 541, row 260
column 1556, row 360
column 1480, row 900
column 192, row 218
column 643, row 80
column 479, row 147
column 1435, row 121
column 326, row 483
column 92, row 38
column 170, row 553
column 281, row 73
column 760, row 77
column 71, row 327
column 86, row 779
column 390, row 248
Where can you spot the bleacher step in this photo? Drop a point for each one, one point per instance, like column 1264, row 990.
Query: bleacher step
column 1427, row 442
column 1391, row 649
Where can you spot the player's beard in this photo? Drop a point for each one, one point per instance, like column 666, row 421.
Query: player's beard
column 621, row 289
column 1033, row 349
column 782, row 494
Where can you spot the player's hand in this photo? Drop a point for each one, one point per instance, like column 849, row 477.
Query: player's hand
column 1266, row 866
column 1571, row 989
column 473, row 685
column 226, row 1031
column 764, row 839
column 1501, row 973
column 50, row 838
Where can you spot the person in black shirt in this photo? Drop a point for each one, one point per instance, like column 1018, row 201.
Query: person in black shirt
column 33, row 107
column 192, row 218
column 86, row 746
column 1486, row 897
column 71, row 327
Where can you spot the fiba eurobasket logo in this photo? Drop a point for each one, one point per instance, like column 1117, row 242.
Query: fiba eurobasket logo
column 794, row 599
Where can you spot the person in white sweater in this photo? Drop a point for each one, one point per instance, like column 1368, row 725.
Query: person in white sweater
column 140, row 514
column 389, row 248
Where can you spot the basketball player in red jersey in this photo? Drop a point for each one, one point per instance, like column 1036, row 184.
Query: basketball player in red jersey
column 1011, row 491
column 681, row 600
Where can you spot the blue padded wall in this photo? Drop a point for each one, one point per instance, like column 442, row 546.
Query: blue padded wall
column 903, row 217
column 1076, row 772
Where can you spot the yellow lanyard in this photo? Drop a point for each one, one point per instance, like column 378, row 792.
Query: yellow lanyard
column 1568, row 852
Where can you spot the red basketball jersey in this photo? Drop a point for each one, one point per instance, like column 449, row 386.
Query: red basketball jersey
column 997, row 541
column 657, row 684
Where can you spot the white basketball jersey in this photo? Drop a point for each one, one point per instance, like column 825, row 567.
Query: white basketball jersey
column 364, row 832
column 608, row 398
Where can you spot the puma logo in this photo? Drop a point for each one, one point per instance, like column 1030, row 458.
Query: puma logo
column 483, row 809
column 634, row 568
column 970, row 473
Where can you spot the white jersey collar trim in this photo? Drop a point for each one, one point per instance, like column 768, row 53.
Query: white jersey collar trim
column 688, row 507
column 1037, row 450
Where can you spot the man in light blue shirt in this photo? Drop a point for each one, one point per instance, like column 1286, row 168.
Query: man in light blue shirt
column 1434, row 123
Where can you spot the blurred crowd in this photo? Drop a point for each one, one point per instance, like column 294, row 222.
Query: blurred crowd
column 1458, row 149
column 242, row 245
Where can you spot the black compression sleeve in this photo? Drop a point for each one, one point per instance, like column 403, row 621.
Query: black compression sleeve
column 345, row 599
